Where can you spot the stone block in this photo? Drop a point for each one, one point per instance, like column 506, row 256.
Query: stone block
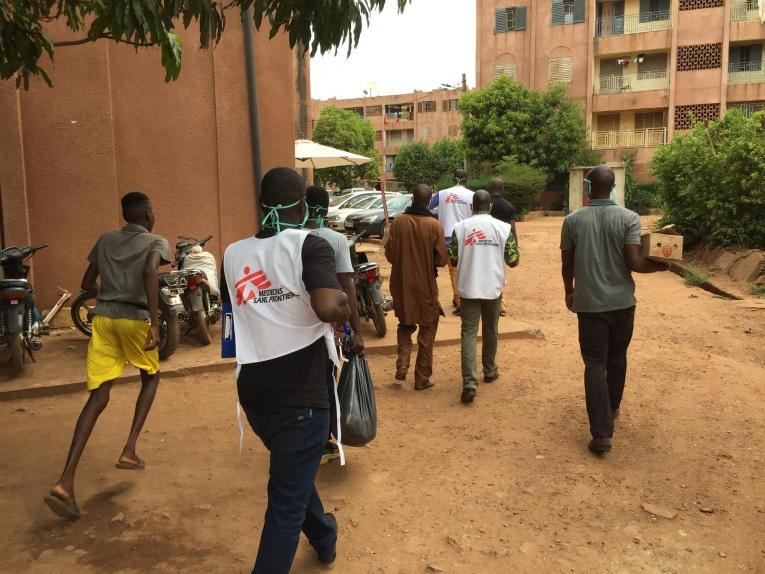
column 749, row 267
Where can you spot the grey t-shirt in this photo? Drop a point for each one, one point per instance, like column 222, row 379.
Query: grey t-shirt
column 339, row 245
column 120, row 257
column 597, row 234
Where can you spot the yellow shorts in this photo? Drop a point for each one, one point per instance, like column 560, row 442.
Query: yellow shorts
column 114, row 343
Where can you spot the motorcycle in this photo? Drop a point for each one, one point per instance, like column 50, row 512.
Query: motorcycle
column 368, row 284
column 171, row 312
column 21, row 325
column 201, row 297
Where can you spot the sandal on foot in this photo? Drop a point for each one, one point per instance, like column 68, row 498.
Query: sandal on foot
column 63, row 508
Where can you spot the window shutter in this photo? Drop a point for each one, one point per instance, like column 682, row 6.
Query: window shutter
column 520, row 18
column 652, row 64
column 419, row 107
column 755, row 57
column 578, row 10
column 650, row 120
column 558, row 13
column 559, row 70
column 609, row 123
column 500, row 20
column 508, row 70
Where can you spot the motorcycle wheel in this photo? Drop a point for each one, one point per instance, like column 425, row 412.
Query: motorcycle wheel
column 16, row 347
column 203, row 331
column 82, row 313
column 378, row 318
column 169, row 332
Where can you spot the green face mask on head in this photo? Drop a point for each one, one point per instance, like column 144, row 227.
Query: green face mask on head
column 316, row 215
column 272, row 220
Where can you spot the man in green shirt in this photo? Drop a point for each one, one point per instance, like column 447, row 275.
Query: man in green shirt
column 600, row 248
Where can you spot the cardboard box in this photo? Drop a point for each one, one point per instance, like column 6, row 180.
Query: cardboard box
column 664, row 244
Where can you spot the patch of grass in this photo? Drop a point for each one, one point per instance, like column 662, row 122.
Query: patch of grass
column 757, row 290
column 694, row 276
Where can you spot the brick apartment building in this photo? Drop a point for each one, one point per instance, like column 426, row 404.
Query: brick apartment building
column 637, row 67
column 402, row 119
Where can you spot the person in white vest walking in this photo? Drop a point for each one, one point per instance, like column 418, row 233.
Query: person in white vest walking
column 284, row 294
column 480, row 247
column 454, row 205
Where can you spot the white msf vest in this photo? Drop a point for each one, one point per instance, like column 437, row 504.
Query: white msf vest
column 272, row 310
column 481, row 256
column 454, row 205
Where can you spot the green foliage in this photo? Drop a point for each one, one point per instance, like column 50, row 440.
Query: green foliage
column 712, row 181
column 638, row 196
column 419, row 163
column 542, row 129
column 524, row 184
column 694, row 276
column 758, row 291
column 345, row 130
column 321, row 25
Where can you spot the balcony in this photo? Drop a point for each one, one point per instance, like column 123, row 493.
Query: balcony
column 749, row 73
column 744, row 12
column 633, row 83
column 629, row 139
column 747, row 109
column 632, row 23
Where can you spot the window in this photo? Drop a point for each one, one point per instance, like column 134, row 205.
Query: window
column 699, row 57
column 745, row 58
column 567, row 12
column 652, row 66
column 654, row 10
column 359, row 111
column 510, row 19
column 399, row 112
column 450, row 105
column 427, row 132
column 748, row 108
column 389, row 161
column 429, row 106
column 454, row 130
column 378, row 136
column 559, row 70
column 609, row 122
column 373, row 111
column 650, row 120
column 507, row 70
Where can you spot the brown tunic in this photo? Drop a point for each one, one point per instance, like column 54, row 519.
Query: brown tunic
column 415, row 247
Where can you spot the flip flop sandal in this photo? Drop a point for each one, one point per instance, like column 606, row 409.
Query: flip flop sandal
column 62, row 508
column 130, row 465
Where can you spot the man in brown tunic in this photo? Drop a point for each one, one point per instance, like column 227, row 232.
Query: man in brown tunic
column 415, row 247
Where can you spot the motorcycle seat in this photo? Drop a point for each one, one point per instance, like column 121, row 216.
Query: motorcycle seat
column 366, row 267
column 20, row 285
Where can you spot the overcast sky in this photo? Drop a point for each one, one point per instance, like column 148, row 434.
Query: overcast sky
column 431, row 43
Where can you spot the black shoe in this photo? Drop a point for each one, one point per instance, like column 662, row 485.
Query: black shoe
column 599, row 445
column 329, row 558
column 401, row 373
column 457, row 311
column 467, row 395
column 491, row 379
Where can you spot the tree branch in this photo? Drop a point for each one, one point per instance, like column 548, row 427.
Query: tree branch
column 103, row 37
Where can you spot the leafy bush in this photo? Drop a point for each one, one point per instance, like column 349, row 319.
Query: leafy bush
column 523, row 183
column 712, row 181
column 638, row 196
column 419, row 163
column 694, row 276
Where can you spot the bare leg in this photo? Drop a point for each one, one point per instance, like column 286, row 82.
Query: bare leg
column 149, row 385
column 95, row 405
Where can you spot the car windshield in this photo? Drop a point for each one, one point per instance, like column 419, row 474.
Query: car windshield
column 378, row 201
column 336, row 200
column 360, row 201
column 400, row 202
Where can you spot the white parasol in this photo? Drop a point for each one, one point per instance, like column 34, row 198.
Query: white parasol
column 311, row 154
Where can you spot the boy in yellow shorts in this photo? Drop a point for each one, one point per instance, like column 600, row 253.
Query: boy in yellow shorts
column 125, row 330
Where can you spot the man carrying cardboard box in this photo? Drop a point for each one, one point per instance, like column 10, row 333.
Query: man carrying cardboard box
column 600, row 248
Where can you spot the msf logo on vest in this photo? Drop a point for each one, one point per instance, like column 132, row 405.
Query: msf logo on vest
column 478, row 238
column 454, row 198
column 254, row 287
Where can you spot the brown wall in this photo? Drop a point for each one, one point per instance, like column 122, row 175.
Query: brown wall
column 111, row 125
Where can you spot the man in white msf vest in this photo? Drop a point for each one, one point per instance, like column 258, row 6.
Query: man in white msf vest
column 284, row 294
column 454, row 205
column 480, row 247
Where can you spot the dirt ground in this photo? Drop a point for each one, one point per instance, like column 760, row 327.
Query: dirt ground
column 504, row 485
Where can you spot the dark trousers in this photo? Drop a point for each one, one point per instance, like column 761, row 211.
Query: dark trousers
column 603, row 340
column 423, row 368
column 295, row 437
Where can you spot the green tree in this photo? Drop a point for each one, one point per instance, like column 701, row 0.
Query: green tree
column 23, row 41
column 345, row 130
column 524, row 184
column 712, row 181
column 419, row 163
column 541, row 129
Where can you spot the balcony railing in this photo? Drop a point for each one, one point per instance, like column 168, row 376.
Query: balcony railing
column 751, row 73
column 749, row 108
column 633, row 82
column 745, row 11
column 651, row 137
column 632, row 23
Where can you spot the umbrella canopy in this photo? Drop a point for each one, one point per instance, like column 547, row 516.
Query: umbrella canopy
column 317, row 156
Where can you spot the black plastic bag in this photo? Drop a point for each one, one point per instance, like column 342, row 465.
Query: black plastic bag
column 358, row 410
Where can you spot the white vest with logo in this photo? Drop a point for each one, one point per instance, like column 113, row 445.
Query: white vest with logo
column 454, row 205
column 481, row 256
column 272, row 310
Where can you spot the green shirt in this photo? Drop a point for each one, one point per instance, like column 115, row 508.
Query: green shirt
column 121, row 257
column 597, row 235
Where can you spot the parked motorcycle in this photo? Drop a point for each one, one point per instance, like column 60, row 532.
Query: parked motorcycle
column 171, row 312
column 368, row 284
column 20, row 322
column 201, row 297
